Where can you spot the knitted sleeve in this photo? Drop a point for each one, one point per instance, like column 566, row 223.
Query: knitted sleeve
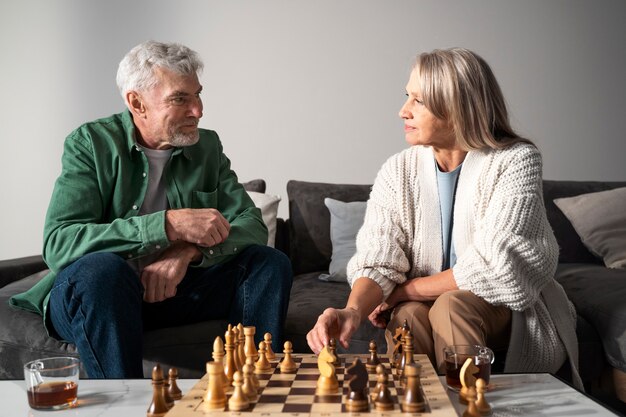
column 380, row 243
column 513, row 253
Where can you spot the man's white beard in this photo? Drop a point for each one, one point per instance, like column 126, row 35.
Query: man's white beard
column 180, row 139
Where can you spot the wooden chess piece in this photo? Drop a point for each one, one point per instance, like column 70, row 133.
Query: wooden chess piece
column 253, row 378
column 332, row 347
column 467, row 378
column 166, row 393
column 483, row 407
column 241, row 351
column 238, row 401
column 218, row 356
column 262, row 364
column 382, row 396
column 327, row 382
column 413, row 400
column 287, row 365
column 173, row 389
column 358, row 380
column 215, row 395
column 249, row 388
column 269, row 353
column 249, row 346
column 399, row 343
column 407, row 356
column 471, row 410
column 372, row 361
column 229, row 363
column 238, row 362
column 158, row 406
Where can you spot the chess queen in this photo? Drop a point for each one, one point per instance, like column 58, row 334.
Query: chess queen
column 455, row 238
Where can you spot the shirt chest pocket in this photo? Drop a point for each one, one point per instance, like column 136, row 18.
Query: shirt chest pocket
column 201, row 199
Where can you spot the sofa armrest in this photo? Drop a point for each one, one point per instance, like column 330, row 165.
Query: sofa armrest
column 12, row 270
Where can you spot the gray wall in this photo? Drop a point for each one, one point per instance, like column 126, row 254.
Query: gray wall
column 306, row 90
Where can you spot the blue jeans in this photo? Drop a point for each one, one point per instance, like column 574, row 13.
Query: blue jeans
column 97, row 304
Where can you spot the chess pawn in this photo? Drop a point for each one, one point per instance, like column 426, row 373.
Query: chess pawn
column 413, row 401
column 482, row 405
column 287, row 365
column 218, row 356
column 173, row 389
column 249, row 346
column 471, row 410
column 166, row 394
column 215, row 395
column 372, row 361
column 229, row 362
column 158, row 407
column 253, row 378
column 269, row 353
column 382, row 396
column 238, row 401
column 262, row 364
column 249, row 388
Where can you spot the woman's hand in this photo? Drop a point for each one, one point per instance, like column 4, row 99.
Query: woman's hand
column 338, row 323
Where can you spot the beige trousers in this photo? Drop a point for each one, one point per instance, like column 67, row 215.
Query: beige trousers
column 456, row 318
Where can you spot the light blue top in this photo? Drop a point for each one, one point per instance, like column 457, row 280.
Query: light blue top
column 446, row 183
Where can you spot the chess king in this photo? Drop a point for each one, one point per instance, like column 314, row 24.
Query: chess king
column 148, row 226
column 455, row 238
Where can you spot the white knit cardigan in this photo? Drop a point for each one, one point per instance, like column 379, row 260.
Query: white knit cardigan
column 506, row 251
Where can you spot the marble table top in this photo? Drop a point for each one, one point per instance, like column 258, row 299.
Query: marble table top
column 509, row 395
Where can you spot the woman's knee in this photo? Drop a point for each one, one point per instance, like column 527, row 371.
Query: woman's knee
column 453, row 303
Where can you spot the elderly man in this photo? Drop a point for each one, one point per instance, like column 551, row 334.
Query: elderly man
column 149, row 227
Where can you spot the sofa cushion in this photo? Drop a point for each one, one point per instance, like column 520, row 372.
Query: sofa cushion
column 310, row 245
column 571, row 247
column 345, row 221
column 598, row 294
column 600, row 221
column 309, row 298
column 268, row 204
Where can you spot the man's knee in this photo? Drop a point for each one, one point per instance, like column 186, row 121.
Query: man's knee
column 98, row 273
column 274, row 261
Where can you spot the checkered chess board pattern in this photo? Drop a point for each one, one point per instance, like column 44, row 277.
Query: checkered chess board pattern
column 293, row 395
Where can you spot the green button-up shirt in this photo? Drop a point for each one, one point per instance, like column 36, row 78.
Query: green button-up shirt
column 96, row 201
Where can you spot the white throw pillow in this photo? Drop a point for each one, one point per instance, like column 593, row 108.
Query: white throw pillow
column 345, row 221
column 269, row 210
column 600, row 221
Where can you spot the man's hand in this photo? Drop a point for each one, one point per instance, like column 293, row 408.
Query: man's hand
column 161, row 277
column 202, row 227
column 337, row 323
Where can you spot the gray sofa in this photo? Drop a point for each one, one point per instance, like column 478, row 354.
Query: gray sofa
column 596, row 291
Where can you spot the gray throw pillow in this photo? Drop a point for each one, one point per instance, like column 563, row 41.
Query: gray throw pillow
column 600, row 221
column 345, row 221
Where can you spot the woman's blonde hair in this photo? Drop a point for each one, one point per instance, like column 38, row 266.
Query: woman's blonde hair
column 458, row 86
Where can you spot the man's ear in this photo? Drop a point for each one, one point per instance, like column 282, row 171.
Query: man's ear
column 135, row 104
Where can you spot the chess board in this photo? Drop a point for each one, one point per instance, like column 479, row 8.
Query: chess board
column 293, row 395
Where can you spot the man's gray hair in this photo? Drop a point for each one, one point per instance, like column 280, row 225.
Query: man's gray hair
column 136, row 70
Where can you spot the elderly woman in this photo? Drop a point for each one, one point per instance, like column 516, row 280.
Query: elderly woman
column 455, row 238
